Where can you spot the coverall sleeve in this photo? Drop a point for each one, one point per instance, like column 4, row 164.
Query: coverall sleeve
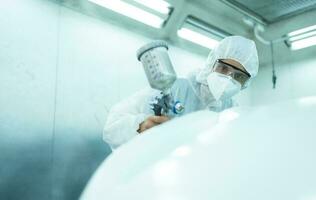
column 124, row 118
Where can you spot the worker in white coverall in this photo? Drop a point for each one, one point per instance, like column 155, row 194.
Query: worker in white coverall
column 229, row 68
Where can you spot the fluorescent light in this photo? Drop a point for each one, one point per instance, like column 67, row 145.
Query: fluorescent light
column 303, row 30
column 302, row 36
column 201, row 32
column 131, row 11
column 158, row 5
column 197, row 38
column 303, row 43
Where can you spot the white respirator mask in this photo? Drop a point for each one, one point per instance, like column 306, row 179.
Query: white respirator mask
column 222, row 86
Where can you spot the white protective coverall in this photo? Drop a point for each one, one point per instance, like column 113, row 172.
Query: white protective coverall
column 124, row 118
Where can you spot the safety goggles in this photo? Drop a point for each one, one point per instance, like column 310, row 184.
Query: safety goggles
column 227, row 69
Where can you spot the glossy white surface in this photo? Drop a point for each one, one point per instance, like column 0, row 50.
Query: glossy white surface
column 262, row 153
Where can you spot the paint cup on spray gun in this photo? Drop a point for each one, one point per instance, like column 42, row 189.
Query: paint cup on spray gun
column 160, row 75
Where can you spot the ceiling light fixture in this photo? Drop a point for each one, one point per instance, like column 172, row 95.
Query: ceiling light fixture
column 136, row 13
column 301, row 38
column 201, row 33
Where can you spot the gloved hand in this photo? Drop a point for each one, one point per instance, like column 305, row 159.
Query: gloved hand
column 151, row 122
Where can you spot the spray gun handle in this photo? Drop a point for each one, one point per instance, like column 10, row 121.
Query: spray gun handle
column 157, row 109
column 158, row 106
column 165, row 104
column 162, row 105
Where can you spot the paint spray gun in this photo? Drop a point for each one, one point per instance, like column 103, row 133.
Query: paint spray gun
column 161, row 76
